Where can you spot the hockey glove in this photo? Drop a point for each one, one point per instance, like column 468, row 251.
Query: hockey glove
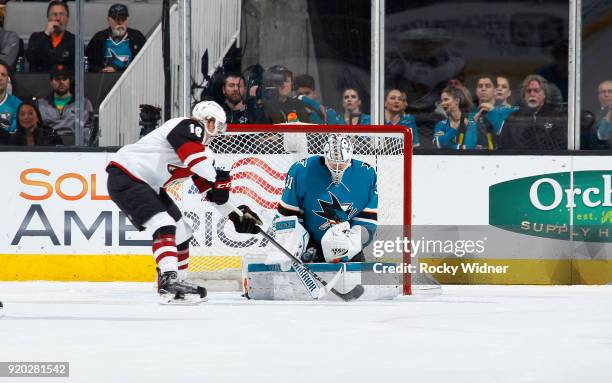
column 201, row 183
column 247, row 223
column 341, row 243
column 220, row 190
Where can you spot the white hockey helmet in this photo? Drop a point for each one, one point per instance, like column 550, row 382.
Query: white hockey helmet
column 209, row 110
column 338, row 152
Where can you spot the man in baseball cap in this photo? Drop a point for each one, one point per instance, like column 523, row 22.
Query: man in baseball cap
column 59, row 71
column 114, row 48
column 118, row 12
column 58, row 108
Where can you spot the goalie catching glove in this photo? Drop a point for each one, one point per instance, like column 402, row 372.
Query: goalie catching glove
column 247, row 223
column 341, row 243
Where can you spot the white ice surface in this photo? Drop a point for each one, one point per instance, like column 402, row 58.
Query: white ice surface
column 117, row 332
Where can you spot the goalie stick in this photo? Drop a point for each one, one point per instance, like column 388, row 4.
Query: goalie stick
column 302, row 270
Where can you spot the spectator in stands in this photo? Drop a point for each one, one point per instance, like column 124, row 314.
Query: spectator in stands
column 352, row 115
column 503, row 108
column 30, row 129
column 493, row 108
column 305, row 86
column 58, row 109
column 455, row 82
column 236, row 109
column 9, row 43
column 503, row 92
column 485, row 94
column 54, row 45
column 8, row 106
column 305, row 90
column 278, row 104
column 114, row 48
column 604, row 129
column 537, row 125
column 458, row 130
column 395, row 113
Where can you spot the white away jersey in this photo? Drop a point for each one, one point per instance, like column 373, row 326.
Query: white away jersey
column 167, row 155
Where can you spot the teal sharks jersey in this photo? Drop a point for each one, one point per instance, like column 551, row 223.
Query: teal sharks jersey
column 117, row 54
column 8, row 112
column 312, row 196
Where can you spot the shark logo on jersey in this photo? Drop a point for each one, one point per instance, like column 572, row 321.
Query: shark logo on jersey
column 121, row 58
column 334, row 211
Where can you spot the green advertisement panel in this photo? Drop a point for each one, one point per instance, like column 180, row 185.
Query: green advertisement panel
column 555, row 206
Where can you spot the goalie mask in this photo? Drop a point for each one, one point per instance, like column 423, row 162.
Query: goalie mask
column 206, row 111
column 338, row 153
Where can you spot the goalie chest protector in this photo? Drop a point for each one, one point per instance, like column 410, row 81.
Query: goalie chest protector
column 309, row 188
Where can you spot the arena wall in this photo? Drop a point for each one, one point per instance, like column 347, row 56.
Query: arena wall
column 59, row 223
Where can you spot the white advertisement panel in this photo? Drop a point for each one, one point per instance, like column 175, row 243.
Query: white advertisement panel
column 454, row 190
column 56, row 203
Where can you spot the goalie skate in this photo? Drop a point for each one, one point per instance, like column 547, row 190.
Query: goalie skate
column 175, row 292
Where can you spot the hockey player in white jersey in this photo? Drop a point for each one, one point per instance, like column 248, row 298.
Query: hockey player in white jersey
column 139, row 174
column 328, row 210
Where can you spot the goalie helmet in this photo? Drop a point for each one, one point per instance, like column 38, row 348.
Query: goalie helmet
column 209, row 110
column 338, row 152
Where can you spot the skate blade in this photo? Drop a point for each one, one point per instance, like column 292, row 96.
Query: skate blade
column 188, row 300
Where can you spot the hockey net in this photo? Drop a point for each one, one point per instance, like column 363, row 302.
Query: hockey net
column 259, row 157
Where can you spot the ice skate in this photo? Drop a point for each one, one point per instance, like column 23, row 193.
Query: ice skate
column 174, row 291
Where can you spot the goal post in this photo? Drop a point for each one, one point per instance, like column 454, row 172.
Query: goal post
column 258, row 157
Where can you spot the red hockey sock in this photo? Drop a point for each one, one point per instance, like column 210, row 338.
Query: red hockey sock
column 165, row 252
column 183, row 256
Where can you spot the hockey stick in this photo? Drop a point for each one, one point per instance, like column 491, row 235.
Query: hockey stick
column 301, row 270
column 305, row 274
column 307, row 280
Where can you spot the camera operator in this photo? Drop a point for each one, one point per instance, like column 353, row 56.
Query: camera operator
column 276, row 95
column 237, row 110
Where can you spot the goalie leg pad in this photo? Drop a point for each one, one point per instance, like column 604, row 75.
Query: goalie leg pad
column 341, row 243
column 290, row 234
